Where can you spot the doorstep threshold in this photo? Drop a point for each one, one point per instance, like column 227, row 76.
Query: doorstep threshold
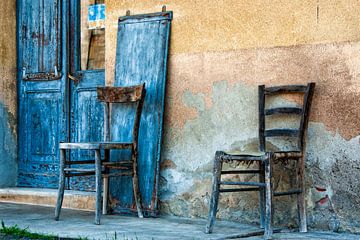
column 47, row 197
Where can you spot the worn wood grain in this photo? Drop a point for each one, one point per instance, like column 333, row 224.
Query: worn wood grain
column 120, row 94
column 141, row 39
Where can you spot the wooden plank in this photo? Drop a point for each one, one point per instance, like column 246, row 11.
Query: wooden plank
column 283, row 110
column 281, row 133
column 285, row 89
column 141, row 39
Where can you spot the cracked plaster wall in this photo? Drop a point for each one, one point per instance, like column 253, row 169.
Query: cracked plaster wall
column 219, row 53
column 8, row 145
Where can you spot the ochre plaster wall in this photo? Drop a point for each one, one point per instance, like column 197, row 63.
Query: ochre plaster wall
column 220, row 51
column 8, row 169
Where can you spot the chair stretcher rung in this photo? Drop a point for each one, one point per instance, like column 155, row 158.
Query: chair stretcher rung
column 240, row 172
column 79, row 170
column 117, row 163
column 295, row 191
column 244, row 183
column 118, row 174
column 74, row 162
column 239, row 189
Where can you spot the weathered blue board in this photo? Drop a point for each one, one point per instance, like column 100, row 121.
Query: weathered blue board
column 142, row 51
column 42, row 71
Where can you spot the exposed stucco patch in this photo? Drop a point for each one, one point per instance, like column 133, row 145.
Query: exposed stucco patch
column 334, row 68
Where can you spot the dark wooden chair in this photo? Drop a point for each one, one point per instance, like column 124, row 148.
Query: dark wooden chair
column 102, row 167
column 265, row 160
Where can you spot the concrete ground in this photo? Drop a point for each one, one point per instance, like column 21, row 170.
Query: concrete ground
column 75, row 223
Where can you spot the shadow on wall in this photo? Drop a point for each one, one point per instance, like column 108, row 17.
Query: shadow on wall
column 8, row 162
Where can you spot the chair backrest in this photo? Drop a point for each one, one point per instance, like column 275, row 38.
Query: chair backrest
column 303, row 112
column 132, row 94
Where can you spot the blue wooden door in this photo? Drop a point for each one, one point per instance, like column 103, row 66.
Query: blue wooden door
column 142, row 50
column 52, row 107
column 86, row 113
column 42, row 71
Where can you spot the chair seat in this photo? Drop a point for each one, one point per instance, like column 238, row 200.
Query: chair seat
column 246, row 156
column 95, row 145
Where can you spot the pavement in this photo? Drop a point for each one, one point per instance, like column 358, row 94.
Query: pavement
column 77, row 223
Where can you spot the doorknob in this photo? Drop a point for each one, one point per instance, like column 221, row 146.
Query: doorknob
column 73, row 78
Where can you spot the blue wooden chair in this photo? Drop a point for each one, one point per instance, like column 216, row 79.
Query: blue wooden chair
column 104, row 168
column 266, row 158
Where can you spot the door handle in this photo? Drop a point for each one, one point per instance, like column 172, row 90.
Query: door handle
column 76, row 80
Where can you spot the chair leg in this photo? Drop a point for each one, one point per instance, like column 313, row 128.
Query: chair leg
column 136, row 189
column 262, row 195
column 105, row 195
column 98, row 186
column 215, row 193
column 268, row 198
column 301, row 203
column 61, row 190
column 106, row 185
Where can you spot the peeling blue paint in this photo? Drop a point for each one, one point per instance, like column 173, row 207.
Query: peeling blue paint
column 8, row 161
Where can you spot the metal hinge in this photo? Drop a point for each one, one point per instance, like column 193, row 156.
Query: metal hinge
column 75, row 79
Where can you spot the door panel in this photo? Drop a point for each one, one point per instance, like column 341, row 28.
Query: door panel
column 142, row 49
column 87, row 121
column 42, row 91
column 40, row 36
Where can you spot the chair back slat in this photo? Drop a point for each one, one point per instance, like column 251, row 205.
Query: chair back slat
column 120, row 94
column 283, row 110
column 112, row 95
column 303, row 112
column 281, row 133
column 285, row 89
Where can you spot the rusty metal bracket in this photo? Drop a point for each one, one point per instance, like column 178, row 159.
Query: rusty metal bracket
column 41, row 76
